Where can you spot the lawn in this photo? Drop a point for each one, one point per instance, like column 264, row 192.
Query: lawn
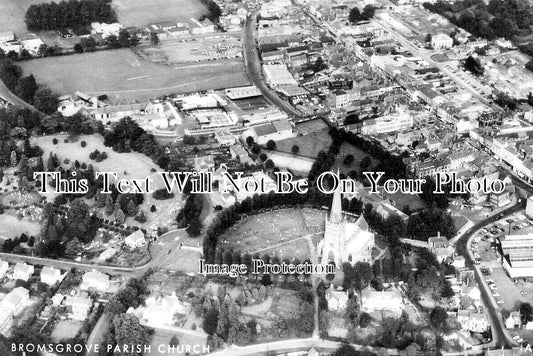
column 141, row 12
column 161, row 339
column 65, row 330
column 12, row 14
column 10, row 226
column 348, row 149
column 127, row 78
column 278, row 233
column 309, row 145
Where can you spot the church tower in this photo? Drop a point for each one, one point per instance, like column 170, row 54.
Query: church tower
column 334, row 233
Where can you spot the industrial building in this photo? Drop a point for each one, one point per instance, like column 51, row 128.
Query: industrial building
column 517, row 255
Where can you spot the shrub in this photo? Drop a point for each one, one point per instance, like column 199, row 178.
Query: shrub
column 65, row 140
column 83, row 143
column 55, row 141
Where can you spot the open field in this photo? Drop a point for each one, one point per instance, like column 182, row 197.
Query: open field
column 142, row 12
column 13, row 12
column 129, row 78
column 10, row 226
column 275, row 232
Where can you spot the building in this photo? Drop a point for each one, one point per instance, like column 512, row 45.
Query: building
column 79, row 307
column 50, row 275
column 345, row 240
column 529, row 207
column 135, row 240
column 472, row 321
column 201, row 27
column 276, row 131
column 337, row 299
column 225, row 137
column 32, row 45
column 517, row 255
column 441, row 41
column 7, row 36
column 12, row 304
column 96, row 281
column 278, row 74
column 161, row 310
column 4, row 267
column 23, row 271
column 390, row 123
column 440, row 247
column 204, row 164
column 513, row 321
column 386, row 300
column 238, row 152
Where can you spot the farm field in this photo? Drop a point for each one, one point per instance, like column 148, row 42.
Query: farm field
column 124, row 77
column 141, row 12
column 277, row 232
column 13, row 12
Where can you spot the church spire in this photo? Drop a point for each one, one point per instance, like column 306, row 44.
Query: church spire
column 336, row 207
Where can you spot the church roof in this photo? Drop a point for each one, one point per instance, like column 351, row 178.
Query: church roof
column 361, row 223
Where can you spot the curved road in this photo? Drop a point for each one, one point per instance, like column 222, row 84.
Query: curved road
column 253, row 67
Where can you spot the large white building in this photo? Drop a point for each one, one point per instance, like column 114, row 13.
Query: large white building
column 397, row 121
column 518, row 255
column 441, row 41
column 278, row 74
column 345, row 240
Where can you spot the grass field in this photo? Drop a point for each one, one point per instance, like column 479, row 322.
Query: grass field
column 10, row 227
column 12, row 14
column 124, row 77
column 64, row 330
column 278, row 233
column 142, row 12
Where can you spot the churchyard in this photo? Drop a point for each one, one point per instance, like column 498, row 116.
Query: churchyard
column 279, row 233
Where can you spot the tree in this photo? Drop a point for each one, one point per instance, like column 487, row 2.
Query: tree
column 26, row 88
column 346, row 350
column 295, row 149
column 526, row 313
column 120, row 217
column 78, row 48
column 355, row 15
column 271, row 145
column 438, row 318
column 154, row 39
column 10, row 74
column 210, row 321
column 174, row 341
column 249, row 141
column 348, row 160
column 368, row 12
column 88, row 44
column 79, row 220
column 128, row 331
column 124, row 38
column 131, row 208
column 365, row 162
column 45, row 100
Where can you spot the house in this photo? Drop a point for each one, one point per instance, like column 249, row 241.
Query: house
column 440, row 247
column 337, row 299
column 385, row 300
column 4, row 267
column 471, row 321
column 22, row 271
column 32, row 45
column 57, row 299
column 79, row 307
column 95, row 280
column 204, row 164
column 6, row 321
column 7, row 36
column 108, row 253
column 135, row 240
column 160, row 310
column 238, row 152
column 50, row 275
column 513, row 320
column 15, row 300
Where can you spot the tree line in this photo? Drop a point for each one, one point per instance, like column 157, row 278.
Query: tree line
column 74, row 13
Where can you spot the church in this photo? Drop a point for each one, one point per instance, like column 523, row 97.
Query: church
column 345, row 240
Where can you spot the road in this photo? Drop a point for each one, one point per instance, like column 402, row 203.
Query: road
column 499, row 332
column 253, row 68
column 8, row 96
